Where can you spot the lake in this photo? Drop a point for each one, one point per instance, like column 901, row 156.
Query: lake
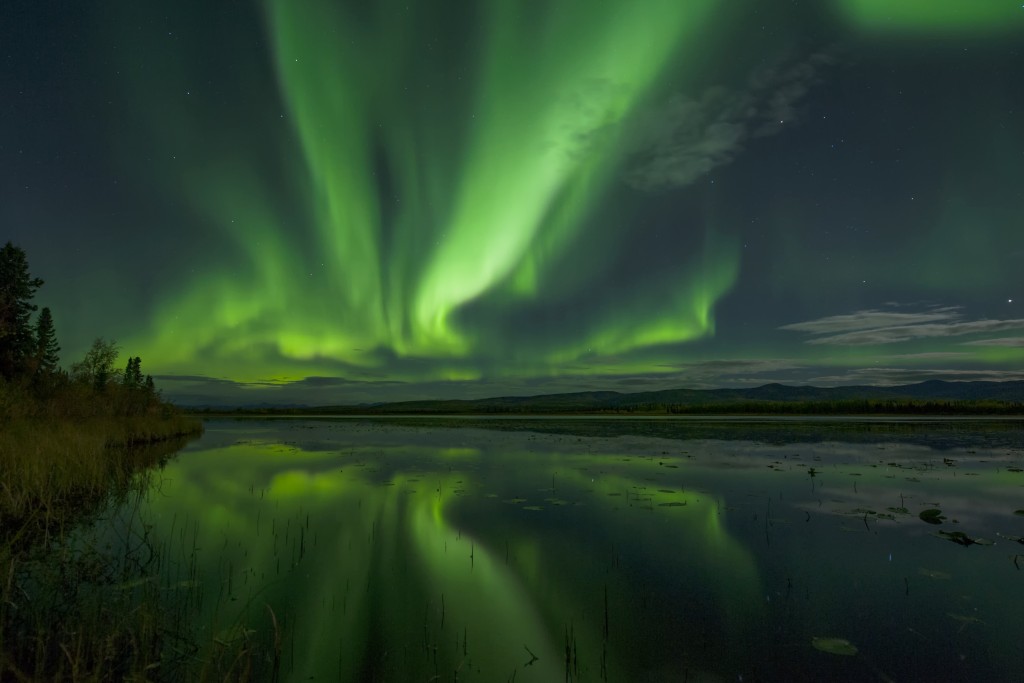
column 595, row 549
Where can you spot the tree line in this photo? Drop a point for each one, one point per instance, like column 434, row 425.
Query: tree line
column 30, row 353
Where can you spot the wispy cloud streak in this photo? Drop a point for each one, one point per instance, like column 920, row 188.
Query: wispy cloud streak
column 872, row 327
column 689, row 136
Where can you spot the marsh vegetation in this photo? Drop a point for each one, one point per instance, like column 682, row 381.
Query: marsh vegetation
column 74, row 445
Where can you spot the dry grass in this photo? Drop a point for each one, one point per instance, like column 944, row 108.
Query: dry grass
column 66, row 455
column 48, row 464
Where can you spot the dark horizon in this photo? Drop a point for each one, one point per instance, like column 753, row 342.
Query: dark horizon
column 1000, row 395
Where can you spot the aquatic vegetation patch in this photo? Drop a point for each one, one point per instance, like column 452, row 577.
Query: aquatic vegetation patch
column 834, row 646
column 932, row 516
column 960, row 538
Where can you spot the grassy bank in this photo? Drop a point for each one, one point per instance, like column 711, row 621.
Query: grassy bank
column 51, row 465
column 65, row 613
column 66, row 443
column 79, row 447
column 68, row 455
column 84, row 590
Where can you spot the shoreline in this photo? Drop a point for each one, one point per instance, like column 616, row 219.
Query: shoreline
column 687, row 417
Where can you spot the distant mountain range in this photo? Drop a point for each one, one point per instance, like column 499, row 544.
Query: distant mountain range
column 766, row 398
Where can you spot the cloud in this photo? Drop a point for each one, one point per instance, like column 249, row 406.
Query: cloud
column 730, row 372
column 928, row 355
column 890, row 335
column 314, row 381
column 734, row 366
column 898, row 376
column 688, row 137
column 871, row 319
column 870, row 327
column 1001, row 341
column 196, row 378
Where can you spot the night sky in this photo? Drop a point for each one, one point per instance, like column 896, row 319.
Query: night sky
column 338, row 202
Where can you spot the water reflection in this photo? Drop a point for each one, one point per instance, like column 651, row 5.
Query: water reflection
column 408, row 551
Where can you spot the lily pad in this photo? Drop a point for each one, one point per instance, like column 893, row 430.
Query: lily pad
column 932, row 516
column 834, row 646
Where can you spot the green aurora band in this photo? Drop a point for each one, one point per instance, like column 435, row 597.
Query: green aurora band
column 430, row 191
column 443, row 212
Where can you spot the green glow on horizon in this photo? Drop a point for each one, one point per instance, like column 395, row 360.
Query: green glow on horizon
column 490, row 185
column 999, row 355
column 933, row 16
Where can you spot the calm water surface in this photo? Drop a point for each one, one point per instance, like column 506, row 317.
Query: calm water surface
column 639, row 550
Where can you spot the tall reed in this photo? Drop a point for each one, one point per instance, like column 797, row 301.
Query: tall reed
column 69, row 609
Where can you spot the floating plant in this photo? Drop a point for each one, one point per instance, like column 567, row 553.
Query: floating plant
column 932, row 516
column 834, row 646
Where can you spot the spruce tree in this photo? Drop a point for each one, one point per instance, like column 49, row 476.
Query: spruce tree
column 46, row 343
column 128, row 378
column 17, row 287
column 133, row 373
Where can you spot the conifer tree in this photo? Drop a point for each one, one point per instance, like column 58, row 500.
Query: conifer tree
column 17, row 287
column 127, row 377
column 133, row 373
column 46, row 343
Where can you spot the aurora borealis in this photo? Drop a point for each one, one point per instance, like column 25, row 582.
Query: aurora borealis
column 335, row 202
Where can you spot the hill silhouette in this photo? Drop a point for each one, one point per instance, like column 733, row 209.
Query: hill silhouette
column 931, row 396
